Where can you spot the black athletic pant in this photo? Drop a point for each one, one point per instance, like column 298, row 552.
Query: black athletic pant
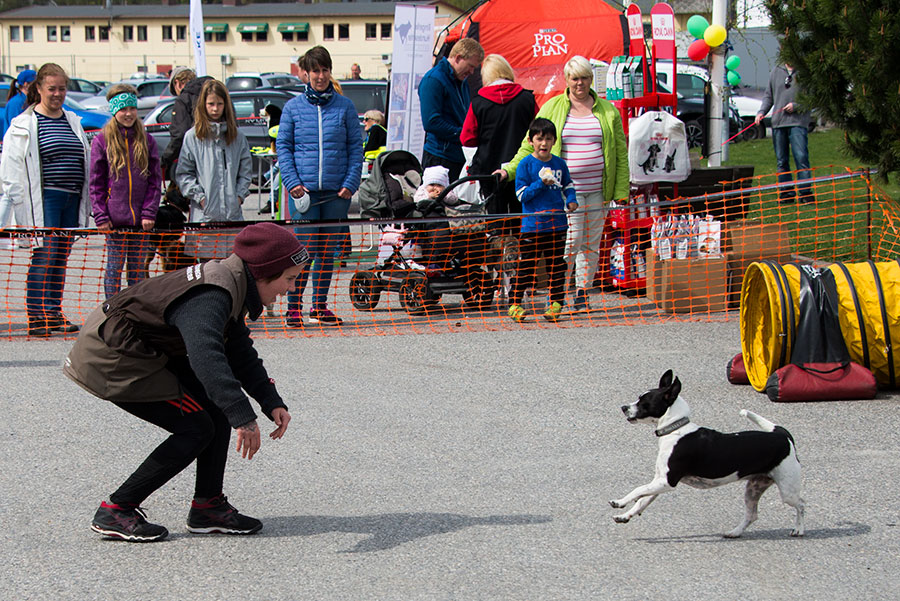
column 533, row 245
column 199, row 430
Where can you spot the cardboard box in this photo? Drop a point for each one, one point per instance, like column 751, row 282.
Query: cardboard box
column 687, row 285
column 750, row 238
column 748, row 241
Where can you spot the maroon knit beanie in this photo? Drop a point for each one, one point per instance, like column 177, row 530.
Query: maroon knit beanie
column 268, row 249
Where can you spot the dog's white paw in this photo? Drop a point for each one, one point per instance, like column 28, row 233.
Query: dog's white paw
column 621, row 519
column 743, row 413
column 616, row 504
column 797, row 533
column 736, row 533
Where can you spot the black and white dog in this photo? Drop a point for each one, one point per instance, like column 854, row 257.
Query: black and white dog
column 704, row 458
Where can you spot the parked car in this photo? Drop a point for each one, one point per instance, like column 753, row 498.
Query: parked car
column 366, row 94
column 80, row 89
column 252, row 81
column 149, row 91
column 91, row 119
column 692, row 111
column 5, row 77
column 248, row 106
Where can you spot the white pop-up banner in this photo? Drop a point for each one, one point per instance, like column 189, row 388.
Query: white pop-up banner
column 197, row 40
column 412, row 58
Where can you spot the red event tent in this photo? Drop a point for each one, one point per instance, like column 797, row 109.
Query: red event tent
column 537, row 37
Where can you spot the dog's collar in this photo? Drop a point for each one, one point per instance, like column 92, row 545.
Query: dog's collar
column 672, row 427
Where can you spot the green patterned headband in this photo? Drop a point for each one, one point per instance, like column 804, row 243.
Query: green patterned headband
column 121, row 101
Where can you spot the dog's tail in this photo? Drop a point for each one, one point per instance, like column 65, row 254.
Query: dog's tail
column 760, row 421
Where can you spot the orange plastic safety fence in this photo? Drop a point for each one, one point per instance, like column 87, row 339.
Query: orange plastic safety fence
column 427, row 277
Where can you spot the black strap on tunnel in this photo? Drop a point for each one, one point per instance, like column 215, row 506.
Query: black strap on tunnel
column 783, row 303
column 884, row 322
column 790, row 304
column 861, row 324
column 818, row 336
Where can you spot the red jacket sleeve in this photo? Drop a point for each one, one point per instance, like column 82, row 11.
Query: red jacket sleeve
column 469, row 135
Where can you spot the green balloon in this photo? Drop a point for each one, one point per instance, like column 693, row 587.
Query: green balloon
column 733, row 77
column 733, row 62
column 696, row 25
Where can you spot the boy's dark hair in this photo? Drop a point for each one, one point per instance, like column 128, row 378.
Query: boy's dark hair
column 541, row 126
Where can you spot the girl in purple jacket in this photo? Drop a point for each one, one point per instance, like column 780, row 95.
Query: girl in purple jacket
column 125, row 188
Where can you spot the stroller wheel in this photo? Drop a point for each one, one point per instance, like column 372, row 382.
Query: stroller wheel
column 365, row 290
column 416, row 295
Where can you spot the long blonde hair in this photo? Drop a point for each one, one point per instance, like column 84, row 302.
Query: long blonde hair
column 116, row 145
column 201, row 117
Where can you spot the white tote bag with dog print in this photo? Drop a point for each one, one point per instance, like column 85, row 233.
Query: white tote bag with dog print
column 657, row 149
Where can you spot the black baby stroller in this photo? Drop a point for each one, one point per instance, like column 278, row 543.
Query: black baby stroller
column 454, row 255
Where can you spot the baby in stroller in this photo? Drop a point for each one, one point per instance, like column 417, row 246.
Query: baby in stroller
column 417, row 259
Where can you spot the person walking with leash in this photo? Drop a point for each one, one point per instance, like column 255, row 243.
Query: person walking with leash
column 175, row 351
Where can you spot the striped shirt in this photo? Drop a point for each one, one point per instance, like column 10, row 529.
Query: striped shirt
column 582, row 150
column 62, row 154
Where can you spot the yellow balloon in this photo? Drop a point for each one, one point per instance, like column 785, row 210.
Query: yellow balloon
column 714, row 35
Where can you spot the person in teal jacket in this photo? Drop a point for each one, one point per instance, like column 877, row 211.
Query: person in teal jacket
column 591, row 140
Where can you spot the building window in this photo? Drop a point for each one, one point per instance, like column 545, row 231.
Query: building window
column 221, row 36
column 167, row 33
column 262, row 36
column 386, row 31
column 90, row 33
column 246, row 36
column 13, row 33
column 344, row 31
column 181, row 33
column 287, row 36
column 65, row 33
column 142, row 33
column 128, row 33
column 103, row 33
column 207, row 36
column 328, row 31
column 371, row 31
column 302, row 36
column 51, row 33
column 27, row 33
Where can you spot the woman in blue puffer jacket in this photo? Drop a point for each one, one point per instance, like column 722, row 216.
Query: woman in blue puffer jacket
column 319, row 149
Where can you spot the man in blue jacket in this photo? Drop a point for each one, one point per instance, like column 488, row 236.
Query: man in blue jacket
column 444, row 102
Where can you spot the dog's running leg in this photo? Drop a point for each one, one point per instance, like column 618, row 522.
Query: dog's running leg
column 787, row 478
column 657, row 486
column 756, row 486
column 635, row 511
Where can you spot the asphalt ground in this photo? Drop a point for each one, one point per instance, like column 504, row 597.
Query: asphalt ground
column 468, row 465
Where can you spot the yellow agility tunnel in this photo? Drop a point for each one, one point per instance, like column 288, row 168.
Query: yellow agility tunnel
column 868, row 306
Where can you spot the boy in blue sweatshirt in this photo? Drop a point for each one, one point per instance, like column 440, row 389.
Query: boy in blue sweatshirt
column 545, row 189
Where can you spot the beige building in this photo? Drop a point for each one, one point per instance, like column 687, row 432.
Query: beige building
column 98, row 43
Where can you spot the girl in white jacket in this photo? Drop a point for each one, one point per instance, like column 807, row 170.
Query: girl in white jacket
column 214, row 167
column 44, row 173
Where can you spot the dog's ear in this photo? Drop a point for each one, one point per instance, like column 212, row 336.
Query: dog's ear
column 666, row 380
column 675, row 390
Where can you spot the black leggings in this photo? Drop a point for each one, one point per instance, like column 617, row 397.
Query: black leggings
column 532, row 246
column 199, row 430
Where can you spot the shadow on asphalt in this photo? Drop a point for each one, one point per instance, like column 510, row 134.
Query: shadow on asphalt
column 389, row 530
column 843, row 529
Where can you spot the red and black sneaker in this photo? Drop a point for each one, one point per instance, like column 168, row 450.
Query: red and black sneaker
column 216, row 515
column 127, row 523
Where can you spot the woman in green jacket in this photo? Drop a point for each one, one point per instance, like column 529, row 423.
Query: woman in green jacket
column 592, row 142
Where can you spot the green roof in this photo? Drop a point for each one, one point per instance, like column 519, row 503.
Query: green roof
column 253, row 27
column 215, row 27
column 292, row 27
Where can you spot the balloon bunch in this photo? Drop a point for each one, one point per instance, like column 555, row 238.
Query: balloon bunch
column 706, row 36
column 731, row 65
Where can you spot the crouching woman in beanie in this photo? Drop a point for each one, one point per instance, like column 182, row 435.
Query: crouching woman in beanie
column 175, row 351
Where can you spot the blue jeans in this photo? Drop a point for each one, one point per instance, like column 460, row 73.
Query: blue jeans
column 321, row 242
column 47, row 273
column 792, row 140
column 122, row 247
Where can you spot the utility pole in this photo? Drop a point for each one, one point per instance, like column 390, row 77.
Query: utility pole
column 717, row 85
